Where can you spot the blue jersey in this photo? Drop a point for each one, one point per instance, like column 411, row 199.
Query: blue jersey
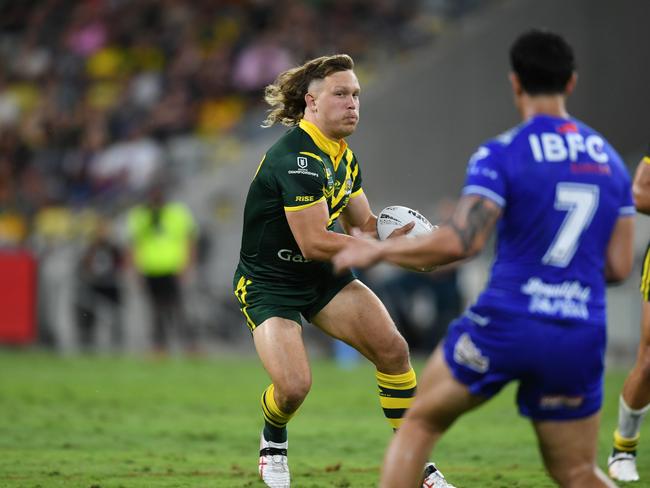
column 562, row 188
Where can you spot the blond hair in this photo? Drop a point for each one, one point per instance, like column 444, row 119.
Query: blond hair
column 287, row 95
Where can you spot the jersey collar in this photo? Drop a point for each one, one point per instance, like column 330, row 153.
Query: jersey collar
column 334, row 149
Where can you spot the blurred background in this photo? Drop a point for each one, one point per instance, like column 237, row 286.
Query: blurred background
column 113, row 108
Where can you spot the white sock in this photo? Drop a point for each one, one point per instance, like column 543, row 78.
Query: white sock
column 629, row 420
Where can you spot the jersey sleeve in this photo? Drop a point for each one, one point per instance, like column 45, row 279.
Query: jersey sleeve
column 301, row 180
column 486, row 175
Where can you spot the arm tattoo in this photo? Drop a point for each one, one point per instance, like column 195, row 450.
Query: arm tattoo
column 480, row 218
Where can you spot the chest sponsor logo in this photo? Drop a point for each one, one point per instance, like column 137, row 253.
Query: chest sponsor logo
column 291, row 256
column 555, row 148
column 568, row 299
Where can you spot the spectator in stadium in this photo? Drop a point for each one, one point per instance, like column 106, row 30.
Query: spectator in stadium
column 99, row 295
column 162, row 234
column 307, row 181
column 562, row 199
column 635, row 397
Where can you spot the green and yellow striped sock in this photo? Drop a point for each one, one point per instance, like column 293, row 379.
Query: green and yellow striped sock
column 275, row 420
column 396, row 392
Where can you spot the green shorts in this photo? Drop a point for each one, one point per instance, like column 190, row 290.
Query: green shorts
column 261, row 300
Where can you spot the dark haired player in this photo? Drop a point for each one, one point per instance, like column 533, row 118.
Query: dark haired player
column 561, row 201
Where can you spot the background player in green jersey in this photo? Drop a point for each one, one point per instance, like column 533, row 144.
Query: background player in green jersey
column 635, row 397
column 307, row 181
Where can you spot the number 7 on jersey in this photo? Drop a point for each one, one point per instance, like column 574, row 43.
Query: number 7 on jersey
column 580, row 202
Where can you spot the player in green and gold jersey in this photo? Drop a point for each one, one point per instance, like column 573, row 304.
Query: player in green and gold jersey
column 306, row 182
column 634, row 402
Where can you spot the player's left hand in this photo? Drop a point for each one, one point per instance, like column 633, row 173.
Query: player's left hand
column 359, row 253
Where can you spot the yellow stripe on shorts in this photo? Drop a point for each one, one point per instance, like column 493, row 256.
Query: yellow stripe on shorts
column 240, row 293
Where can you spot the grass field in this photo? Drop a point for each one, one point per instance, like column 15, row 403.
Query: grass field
column 108, row 423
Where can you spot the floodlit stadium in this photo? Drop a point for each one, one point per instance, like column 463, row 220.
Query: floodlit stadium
column 130, row 134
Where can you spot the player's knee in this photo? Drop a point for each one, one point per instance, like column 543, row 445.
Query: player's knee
column 421, row 417
column 292, row 395
column 394, row 355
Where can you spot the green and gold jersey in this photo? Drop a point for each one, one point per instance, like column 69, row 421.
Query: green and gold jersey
column 301, row 169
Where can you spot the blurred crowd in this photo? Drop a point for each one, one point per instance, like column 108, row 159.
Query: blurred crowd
column 98, row 96
column 101, row 99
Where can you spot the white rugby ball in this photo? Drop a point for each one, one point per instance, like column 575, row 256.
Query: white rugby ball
column 397, row 216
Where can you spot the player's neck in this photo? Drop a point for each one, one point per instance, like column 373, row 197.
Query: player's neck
column 553, row 105
column 323, row 130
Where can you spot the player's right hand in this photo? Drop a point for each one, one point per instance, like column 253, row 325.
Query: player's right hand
column 402, row 231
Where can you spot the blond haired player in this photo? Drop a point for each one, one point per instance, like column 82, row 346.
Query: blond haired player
column 307, row 181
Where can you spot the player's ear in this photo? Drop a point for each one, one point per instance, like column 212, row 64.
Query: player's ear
column 310, row 102
column 517, row 89
column 571, row 84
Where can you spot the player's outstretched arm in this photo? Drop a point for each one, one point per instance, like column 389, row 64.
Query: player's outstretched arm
column 464, row 235
column 641, row 184
column 473, row 221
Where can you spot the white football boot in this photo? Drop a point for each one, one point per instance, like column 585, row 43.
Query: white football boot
column 272, row 466
column 433, row 478
column 622, row 466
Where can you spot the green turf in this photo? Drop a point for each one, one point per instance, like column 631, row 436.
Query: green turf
column 104, row 422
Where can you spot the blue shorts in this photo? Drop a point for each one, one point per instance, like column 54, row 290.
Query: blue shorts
column 559, row 366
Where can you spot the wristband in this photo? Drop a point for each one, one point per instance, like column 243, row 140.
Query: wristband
column 646, row 156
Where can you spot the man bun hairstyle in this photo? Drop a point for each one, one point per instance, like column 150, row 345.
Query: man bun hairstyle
column 543, row 61
column 286, row 95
